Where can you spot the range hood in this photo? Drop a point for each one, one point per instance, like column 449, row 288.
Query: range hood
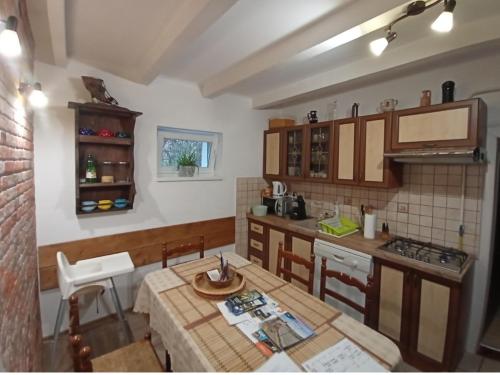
column 439, row 156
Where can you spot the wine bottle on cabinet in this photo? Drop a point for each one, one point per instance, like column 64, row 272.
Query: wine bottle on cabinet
column 90, row 174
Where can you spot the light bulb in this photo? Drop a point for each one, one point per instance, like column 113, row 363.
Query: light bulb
column 37, row 98
column 378, row 46
column 444, row 23
column 9, row 40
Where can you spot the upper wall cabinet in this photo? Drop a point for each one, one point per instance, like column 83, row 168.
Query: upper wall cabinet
column 375, row 139
column 458, row 124
column 319, row 152
column 295, row 146
column 272, row 153
column 346, row 151
column 359, row 147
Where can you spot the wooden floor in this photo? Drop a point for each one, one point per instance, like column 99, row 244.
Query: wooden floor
column 103, row 336
column 108, row 334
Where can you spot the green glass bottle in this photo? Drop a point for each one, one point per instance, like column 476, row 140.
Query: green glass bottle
column 90, row 174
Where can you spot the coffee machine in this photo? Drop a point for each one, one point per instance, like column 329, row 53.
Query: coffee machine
column 299, row 209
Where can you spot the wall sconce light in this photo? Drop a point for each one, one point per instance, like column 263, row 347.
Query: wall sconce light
column 36, row 96
column 443, row 23
column 9, row 40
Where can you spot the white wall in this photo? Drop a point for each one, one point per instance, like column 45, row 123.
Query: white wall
column 164, row 102
column 479, row 74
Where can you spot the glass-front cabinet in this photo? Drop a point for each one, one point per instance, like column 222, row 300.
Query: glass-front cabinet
column 294, row 152
column 320, row 146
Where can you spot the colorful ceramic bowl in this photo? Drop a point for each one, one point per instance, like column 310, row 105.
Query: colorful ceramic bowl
column 86, row 131
column 88, row 203
column 105, row 204
column 121, row 203
column 88, row 206
column 121, row 135
column 105, row 133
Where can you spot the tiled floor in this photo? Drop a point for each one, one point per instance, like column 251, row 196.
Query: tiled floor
column 108, row 334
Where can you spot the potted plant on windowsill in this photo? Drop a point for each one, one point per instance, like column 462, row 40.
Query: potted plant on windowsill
column 186, row 164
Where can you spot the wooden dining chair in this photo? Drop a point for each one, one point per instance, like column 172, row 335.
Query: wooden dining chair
column 284, row 256
column 178, row 248
column 366, row 289
column 139, row 356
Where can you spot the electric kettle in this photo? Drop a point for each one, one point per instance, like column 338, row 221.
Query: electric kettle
column 279, row 189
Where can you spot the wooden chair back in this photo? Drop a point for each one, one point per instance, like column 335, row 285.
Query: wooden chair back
column 176, row 249
column 80, row 353
column 288, row 258
column 366, row 289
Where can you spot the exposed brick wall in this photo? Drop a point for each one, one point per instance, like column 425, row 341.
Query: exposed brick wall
column 20, row 326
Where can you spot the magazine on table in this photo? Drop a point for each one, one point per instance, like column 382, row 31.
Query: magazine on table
column 244, row 302
column 286, row 330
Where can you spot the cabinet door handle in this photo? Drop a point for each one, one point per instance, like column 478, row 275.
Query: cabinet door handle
column 429, row 145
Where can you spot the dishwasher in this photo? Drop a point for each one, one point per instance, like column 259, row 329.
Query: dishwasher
column 348, row 261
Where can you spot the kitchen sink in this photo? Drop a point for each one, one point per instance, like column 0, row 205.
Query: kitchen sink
column 311, row 224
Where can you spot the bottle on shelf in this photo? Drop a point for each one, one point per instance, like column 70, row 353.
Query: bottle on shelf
column 90, row 173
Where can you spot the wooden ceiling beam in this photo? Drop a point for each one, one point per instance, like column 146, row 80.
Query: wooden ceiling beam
column 334, row 23
column 482, row 34
column 56, row 13
column 192, row 18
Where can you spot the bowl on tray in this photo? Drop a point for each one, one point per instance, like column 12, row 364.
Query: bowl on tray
column 105, row 204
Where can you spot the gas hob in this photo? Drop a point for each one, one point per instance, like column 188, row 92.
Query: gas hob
column 436, row 255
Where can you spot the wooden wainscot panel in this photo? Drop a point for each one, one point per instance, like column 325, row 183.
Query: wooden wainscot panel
column 144, row 246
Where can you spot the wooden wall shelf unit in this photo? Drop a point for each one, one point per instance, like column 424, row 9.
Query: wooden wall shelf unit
column 118, row 153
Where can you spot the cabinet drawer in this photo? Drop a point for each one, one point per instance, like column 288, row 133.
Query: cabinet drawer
column 256, row 228
column 255, row 260
column 257, row 245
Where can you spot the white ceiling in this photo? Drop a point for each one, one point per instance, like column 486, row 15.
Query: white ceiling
column 268, row 50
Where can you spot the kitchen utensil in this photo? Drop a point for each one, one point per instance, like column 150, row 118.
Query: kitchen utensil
column 105, row 133
column 298, row 209
column 121, row 135
column 105, row 204
column 86, row 131
column 448, row 91
column 425, row 98
column 107, row 179
column 354, row 110
column 388, row 105
column 279, row 189
column 259, row 210
column 312, row 116
column 121, row 203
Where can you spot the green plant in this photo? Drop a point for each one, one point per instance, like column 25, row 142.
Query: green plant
column 187, row 159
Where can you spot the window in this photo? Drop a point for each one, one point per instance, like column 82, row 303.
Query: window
column 173, row 142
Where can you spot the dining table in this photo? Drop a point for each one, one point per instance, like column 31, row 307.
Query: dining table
column 199, row 338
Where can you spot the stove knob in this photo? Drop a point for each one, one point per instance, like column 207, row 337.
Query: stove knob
column 427, row 259
column 418, row 257
column 411, row 255
column 403, row 253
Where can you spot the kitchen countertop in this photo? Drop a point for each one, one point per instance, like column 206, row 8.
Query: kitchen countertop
column 357, row 242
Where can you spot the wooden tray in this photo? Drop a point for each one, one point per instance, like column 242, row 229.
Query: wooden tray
column 203, row 288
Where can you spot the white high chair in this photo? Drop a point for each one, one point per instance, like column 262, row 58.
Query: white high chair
column 95, row 272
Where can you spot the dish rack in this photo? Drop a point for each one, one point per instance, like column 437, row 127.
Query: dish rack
column 338, row 228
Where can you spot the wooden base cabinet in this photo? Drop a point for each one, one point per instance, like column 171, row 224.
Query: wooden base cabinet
column 422, row 313
column 263, row 241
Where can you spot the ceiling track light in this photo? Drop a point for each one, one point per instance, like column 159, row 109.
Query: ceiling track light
column 444, row 23
column 36, row 96
column 9, row 39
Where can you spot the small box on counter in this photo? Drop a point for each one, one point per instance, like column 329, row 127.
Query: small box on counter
column 275, row 123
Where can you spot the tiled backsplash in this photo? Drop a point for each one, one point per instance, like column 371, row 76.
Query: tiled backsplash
column 426, row 207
